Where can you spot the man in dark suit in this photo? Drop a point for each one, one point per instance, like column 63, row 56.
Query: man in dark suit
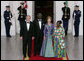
column 76, row 17
column 8, row 23
column 65, row 17
column 27, row 33
column 38, row 33
column 22, row 14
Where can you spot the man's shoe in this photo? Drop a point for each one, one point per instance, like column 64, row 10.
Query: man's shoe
column 65, row 34
column 75, row 36
column 9, row 35
column 26, row 58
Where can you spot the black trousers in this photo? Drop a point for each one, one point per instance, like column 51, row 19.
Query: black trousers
column 38, row 44
column 76, row 27
column 65, row 25
column 7, row 27
column 21, row 24
column 27, row 43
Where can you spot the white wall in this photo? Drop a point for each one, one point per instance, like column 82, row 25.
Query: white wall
column 71, row 4
column 14, row 5
column 30, row 11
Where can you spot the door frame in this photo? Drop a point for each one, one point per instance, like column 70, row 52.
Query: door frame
column 54, row 12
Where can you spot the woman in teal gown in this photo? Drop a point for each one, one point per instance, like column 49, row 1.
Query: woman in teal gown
column 47, row 47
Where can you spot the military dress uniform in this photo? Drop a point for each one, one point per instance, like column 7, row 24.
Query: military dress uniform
column 76, row 16
column 22, row 16
column 65, row 18
column 7, row 17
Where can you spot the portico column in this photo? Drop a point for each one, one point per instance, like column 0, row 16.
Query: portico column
column 30, row 9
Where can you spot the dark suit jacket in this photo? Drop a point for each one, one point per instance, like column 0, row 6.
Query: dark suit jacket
column 37, row 31
column 24, row 13
column 25, row 33
column 68, row 12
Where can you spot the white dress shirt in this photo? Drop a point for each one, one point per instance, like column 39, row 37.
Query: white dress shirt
column 39, row 23
column 28, row 25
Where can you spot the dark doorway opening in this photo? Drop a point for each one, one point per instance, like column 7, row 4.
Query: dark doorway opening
column 44, row 7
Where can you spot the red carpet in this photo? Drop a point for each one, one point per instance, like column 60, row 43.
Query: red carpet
column 41, row 58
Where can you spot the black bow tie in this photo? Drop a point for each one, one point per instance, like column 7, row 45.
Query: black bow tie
column 28, row 22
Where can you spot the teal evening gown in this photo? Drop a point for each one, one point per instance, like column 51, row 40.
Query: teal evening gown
column 47, row 47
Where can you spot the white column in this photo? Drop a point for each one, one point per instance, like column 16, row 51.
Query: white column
column 54, row 11
column 16, row 4
column 70, row 27
column 30, row 10
column 12, row 29
column 59, row 5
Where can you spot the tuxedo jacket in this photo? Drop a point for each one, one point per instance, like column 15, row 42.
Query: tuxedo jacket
column 27, row 34
column 68, row 12
column 37, row 31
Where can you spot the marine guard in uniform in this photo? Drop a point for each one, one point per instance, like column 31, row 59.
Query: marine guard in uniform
column 8, row 23
column 76, row 17
column 65, row 17
column 22, row 14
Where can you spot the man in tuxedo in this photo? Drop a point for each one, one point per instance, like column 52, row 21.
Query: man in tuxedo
column 8, row 23
column 38, row 33
column 65, row 17
column 22, row 14
column 76, row 17
column 27, row 33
